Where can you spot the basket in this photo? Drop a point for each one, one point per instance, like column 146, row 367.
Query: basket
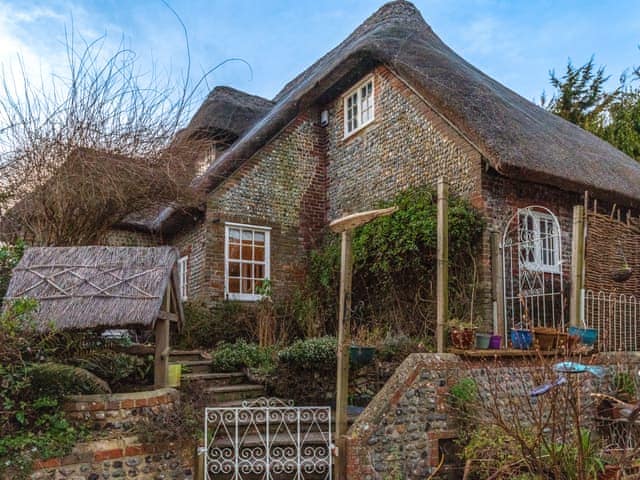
column 546, row 338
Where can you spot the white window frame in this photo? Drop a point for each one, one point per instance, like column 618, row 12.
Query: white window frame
column 357, row 93
column 267, row 259
column 183, row 279
column 538, row 243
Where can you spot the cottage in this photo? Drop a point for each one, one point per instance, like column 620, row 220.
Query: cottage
column 393, row 107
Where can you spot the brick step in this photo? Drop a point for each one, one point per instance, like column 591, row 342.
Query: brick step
column 234, row 392
column 195, row 366
column 216, row 379
column 181, row 356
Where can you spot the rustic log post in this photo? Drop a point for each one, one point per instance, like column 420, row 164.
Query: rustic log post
column 161, row 360
column 577, row 267
column 497, row 284
column 344, row 343
column 442, row 264
column 345, row 226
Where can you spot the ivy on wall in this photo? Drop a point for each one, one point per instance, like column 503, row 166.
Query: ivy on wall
column 395, row 266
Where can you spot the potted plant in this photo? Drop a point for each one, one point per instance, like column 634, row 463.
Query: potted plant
column 483, row 339
column 461, row 333
column 362, row 349
column 521, row 334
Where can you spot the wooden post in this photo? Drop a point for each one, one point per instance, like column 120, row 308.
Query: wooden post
column 443, row 264
column 344, row 342
column 161, row 360
column 497, row 284
column 345, row 226
column 577, row 267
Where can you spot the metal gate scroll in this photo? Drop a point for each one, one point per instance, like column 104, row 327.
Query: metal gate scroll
column 268, row 438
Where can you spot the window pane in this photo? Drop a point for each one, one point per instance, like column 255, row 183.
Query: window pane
column 247, row 285
column 247, row 236
column 246, row 252
column 247, row 270
column 234, row 269
column 234, row 285
column 234, row 252
column 234, row 235
column 259, row 238
column 258, row 254
column 259, row 271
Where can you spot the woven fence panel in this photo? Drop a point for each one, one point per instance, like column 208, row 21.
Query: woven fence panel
column 609, row 244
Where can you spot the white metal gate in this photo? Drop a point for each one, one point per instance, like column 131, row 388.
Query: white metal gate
column 532, row 270
column 266, row 439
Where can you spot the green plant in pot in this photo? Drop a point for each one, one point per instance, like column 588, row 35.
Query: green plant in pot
column 461, row 333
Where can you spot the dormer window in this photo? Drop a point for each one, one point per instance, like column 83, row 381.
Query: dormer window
column 358, row 107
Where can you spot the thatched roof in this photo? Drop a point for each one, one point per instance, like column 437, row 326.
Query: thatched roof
column 92, row 287
column 518, row 138
column 228, row 111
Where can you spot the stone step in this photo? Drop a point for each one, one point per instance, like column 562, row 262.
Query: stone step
column 195, row 366
column 234, row 392
column 216, row 379
column 181, row 356
column 278, row 439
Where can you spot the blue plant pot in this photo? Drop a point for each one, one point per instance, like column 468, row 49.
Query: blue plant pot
column 521, row 339
column 588, row 336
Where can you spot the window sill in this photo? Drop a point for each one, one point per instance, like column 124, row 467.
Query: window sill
column 244, row 297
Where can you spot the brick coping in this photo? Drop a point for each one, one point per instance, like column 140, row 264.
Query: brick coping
column 114, row 397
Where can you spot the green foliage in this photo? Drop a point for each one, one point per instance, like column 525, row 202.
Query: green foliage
column 489, row 449
column 624, row 385
column 464, row 392
column 312, row 353
column 581, row 98
column 57, row 380
column 580, row 95
column 231, row 357
column 119, row 370
column 10, row 255
column 49, row 435
column 394, row 265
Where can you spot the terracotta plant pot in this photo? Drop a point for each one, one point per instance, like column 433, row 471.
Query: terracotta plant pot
column 545, row 338
column 462, row 338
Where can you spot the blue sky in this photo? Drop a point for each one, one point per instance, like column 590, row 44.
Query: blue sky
column 516, row 42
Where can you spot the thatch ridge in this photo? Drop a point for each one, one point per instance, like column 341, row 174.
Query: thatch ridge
column 94, row 286
column 228, row 111
column 518, row 138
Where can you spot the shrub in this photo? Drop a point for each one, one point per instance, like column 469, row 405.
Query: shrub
column 118, row 369
column 10, row 255
column 230, row 357
column 312, row 353
column 205, row 327
column 56, row 381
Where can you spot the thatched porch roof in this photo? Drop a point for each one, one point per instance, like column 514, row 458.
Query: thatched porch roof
column 93, row 287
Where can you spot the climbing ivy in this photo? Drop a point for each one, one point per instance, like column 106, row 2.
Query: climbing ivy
column 395, row 264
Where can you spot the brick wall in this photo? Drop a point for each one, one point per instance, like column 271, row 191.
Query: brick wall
column 192, row 243
column 282, row 187
column 111, row 451
column 501, row 198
